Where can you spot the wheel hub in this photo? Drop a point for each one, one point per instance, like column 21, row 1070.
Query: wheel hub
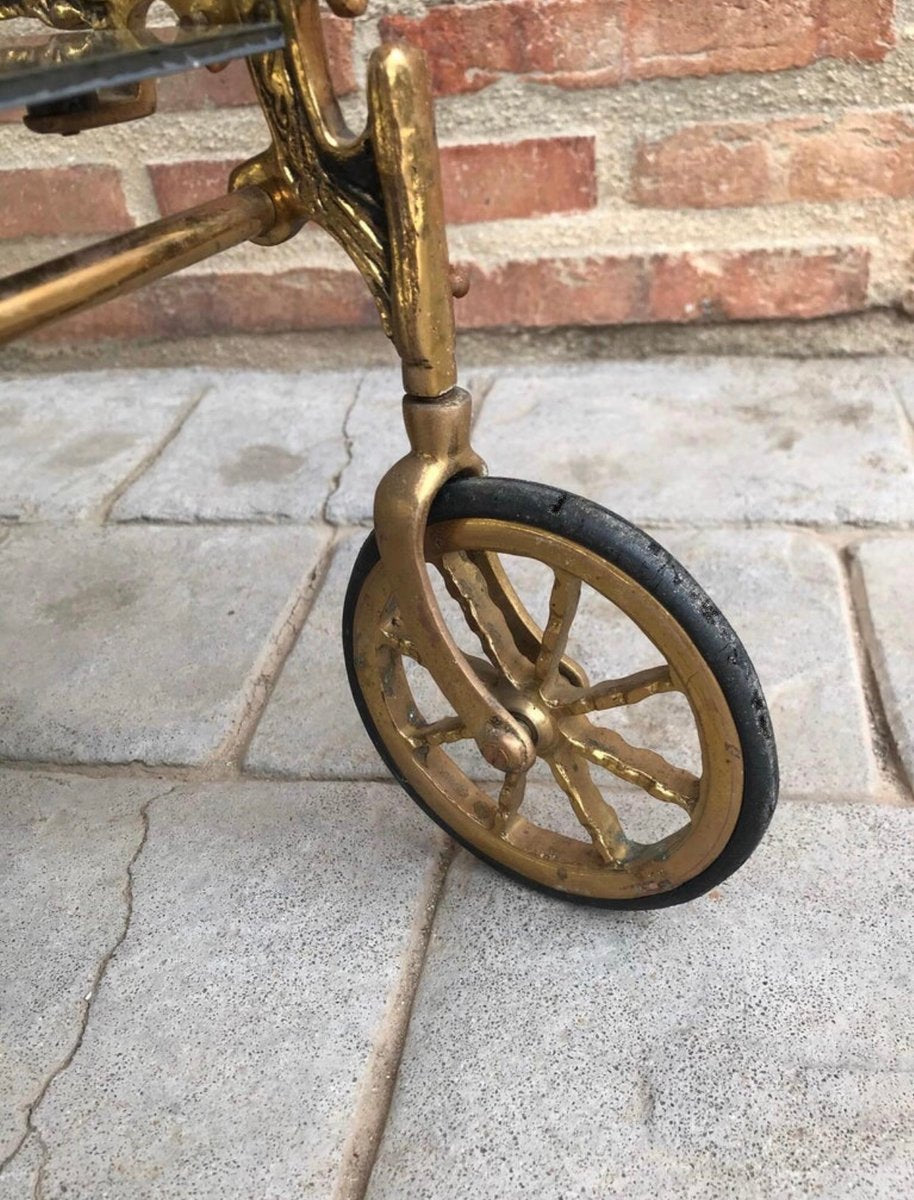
column 530, row 709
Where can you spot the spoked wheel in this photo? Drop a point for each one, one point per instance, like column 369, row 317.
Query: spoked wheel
column 587, row 628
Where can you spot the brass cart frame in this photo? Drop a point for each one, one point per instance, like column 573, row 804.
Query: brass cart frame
column 379, row 194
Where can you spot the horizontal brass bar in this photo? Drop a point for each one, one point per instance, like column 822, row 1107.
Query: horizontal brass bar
column 97, row 273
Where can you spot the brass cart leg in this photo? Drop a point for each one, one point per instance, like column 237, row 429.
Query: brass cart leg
column 380, row 196
column 436, row 412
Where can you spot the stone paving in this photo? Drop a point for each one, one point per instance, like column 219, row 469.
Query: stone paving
column 236, row 961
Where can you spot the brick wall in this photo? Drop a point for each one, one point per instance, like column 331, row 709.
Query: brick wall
column 606, row 162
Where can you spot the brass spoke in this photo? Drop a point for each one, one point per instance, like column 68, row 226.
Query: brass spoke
column 484, row 669
column 467, row 584
column 597, row 817
column 563, row 607
column 437, row 733
column 510, row 799
column 525, row 632
column 397, row 640
column 614, row 693
column 644, row 768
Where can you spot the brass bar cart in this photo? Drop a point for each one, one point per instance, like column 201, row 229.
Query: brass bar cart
column 520, row 716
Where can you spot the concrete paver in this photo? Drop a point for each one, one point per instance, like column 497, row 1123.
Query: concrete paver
column 887, row 569
column 755, row 1043
column 228, row 1041
column 64, row 853
column 19, row 1179
column 310, row 726
column 134, row 643
column 260, row 446
column 784, row 595
column 68, row 441
column 706, row 442
column 900, row 374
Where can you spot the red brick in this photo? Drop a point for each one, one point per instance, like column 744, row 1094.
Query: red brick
column 746, row 285
column 199, row 305
column 716, row 36
column 232, row 86
column 497, row 181
column 856, row 156
column 127, row 318
column 339, row 35
column 470, row 46
column 861, row 29
column 604, row 290
column 49, row 201
column 598, row 43
column 717, row 285
column 181, row 185
column 704, row 166
column 206, row 89
column 859, row 156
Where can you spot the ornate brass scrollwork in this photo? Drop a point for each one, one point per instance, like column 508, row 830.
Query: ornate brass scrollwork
column 378, row 193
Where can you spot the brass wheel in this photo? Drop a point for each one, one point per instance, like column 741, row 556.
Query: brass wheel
column 530, row 577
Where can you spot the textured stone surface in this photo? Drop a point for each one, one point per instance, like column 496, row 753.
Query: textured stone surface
column 755, row 1043
column 377, row 439
column 229, row 1038
column 887, row 567
column 782, row 592
column 19, row 1178
column 708, row 442
column 67, row 441
column 311, row 726
column 260, row 445
column 64, row 853
column 135, row 642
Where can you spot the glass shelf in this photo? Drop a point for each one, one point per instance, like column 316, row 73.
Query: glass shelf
column 65, row 65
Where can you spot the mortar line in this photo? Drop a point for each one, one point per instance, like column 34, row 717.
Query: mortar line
column 379, row 1078
column 87, row 1004
column 882, row 739
column 184, row 414
column 229, row 755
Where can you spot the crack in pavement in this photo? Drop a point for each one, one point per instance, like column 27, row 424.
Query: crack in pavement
column 348, row 449
column 30, row 1127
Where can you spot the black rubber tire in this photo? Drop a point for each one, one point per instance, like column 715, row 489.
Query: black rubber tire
column 639, row 556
